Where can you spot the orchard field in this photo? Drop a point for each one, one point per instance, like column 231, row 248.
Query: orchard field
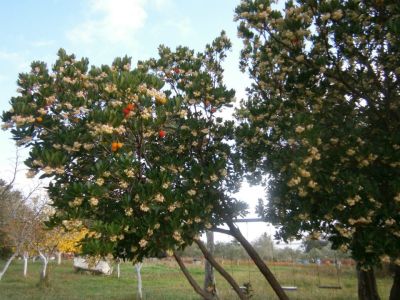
column 162, row 279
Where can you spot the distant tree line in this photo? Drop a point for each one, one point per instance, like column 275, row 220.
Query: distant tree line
column 308, row 250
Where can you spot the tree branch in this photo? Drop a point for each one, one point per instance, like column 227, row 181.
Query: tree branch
column 191, row 280
column 221, row 230
column 220, row 269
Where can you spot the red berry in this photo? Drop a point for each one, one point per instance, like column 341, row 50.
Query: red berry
column 126, row 111
column 162, row 133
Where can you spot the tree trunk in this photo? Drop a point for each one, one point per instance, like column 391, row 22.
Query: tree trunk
column 59, row 258
column 209, row 278
column 395, row 291
column 26, row 257
column 118, row 270
column 44, row 274
column 258, row 261
column 191, row 280
column 138, row 267
column 367, row 289
column 8, row 262
column 221, row 270
column 45, row 260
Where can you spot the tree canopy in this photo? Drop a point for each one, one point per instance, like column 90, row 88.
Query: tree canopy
column 144, row 166
column 321, row 124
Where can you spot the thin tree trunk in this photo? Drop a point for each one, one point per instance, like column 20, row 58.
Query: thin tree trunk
column 59, row 258
column 209, row 278
column 395, row 291
column 367, row 289
column 138, row 267
column 118, row 270
column 26, row 257
column 44, row 274
column 191, row 280
column 235, row 232
column 45, row 262
column 221, row 270
column 8, row 262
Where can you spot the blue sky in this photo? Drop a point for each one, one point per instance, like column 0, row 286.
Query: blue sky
column 102, row 30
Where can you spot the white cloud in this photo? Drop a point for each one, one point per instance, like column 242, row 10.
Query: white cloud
column 161, row 4
column 180, row 29
column 110, row 21
column 14, row 62
column 182, row 26
column 42, row 43
column 6, row 55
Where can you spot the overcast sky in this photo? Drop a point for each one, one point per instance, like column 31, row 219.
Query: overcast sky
column 102, row 30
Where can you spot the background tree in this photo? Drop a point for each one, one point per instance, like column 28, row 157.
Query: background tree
column 230, row 250
column 265, row 246
column 16, row 219
column 9, row 199
column 17, row 227
column 47, row 242
column 322, row 122
column 68, row 241
column 6, row 198
column 309, row 244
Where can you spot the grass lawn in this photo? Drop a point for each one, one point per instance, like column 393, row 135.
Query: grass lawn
column 163, row 280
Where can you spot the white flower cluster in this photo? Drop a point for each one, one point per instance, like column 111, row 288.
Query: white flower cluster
column 76, row 202
column 96, row 129
column 159, row 198
column 20, row 120
column 50, row 170
column 157, row 95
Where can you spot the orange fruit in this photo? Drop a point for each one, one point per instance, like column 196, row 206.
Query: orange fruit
column 130, row 106
column 114, row 146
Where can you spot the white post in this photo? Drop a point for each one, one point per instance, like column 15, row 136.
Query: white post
column 45, row 262
column 26, row 257
column 7, row 265
column 59, row 257
column 118, row 270
column 138, row 266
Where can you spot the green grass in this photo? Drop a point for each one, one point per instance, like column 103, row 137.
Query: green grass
column 163, row 280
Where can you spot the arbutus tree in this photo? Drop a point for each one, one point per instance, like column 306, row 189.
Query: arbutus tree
column 321, row 124
column 141, row 168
